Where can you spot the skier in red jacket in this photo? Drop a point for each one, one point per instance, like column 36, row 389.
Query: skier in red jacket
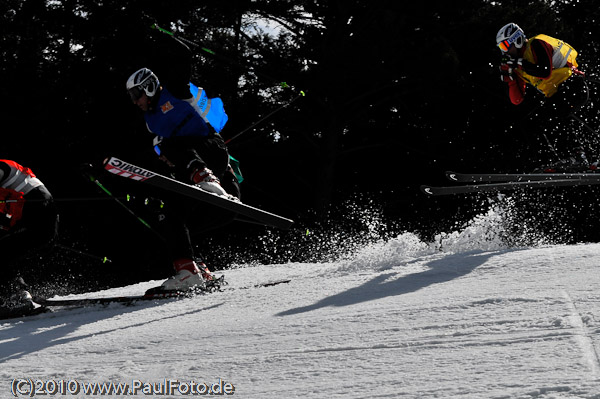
column 28, row 224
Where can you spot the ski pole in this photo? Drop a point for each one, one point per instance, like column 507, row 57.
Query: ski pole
column 583, row 123
column 74, row 199
column 233, row 62
column 214, row 54
column 551, row 146
column 207, row 50
column 102, row 259
column 183, row 39
column 594, row 134
column 266, row 117
column 591, row 80
column 118, row 201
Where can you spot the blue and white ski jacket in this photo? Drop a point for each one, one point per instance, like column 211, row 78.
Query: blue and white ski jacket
column 186, row 117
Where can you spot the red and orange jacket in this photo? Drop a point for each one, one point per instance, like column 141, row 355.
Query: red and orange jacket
column 16, row 182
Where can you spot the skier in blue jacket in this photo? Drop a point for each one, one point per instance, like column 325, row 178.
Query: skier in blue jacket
column 186, row 125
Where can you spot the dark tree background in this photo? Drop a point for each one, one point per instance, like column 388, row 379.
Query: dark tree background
column 395, row 94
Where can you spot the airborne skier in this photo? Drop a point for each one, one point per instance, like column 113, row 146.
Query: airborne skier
column 550, row 66
column 545, row 63
column 187, row 139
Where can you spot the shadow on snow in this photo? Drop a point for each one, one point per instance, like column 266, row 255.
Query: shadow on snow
column 29, row 336
column 439, row 271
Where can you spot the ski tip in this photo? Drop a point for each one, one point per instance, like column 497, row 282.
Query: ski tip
column 451, row 176
column 272, row 283
column 427, row 190
column 17, row 313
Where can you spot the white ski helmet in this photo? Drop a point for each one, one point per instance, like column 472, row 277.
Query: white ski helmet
column 510, row 34
column 142, row 81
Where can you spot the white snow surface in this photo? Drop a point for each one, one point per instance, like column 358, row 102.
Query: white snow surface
column 399, row 318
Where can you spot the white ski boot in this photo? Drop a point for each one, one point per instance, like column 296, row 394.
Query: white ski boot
column 20, row 303
column 205, row 179
column 188, row 275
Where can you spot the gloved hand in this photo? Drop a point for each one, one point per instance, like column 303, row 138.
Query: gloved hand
column 508, row 65
column 511, row 62
column 506, row 73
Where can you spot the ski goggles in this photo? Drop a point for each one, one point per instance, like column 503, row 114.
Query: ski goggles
column 135, row 93
column 505, row 44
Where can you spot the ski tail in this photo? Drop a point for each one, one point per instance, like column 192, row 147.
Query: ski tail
column 505, row 186
column 516, row 177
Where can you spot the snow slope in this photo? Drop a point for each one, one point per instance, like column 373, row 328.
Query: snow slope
column 401, row 318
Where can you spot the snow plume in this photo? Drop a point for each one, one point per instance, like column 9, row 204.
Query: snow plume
column 359, row 232
column 334, row 235
column 502, row 226
column 483, row 233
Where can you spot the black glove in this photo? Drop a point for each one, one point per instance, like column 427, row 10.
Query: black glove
column 506, row 73
column 514, row 63
column 508, row 65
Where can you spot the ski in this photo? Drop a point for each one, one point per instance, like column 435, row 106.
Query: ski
column 127, row 170
column 114, row 299
column 148, row 296
column 510, row 185
column 267, row 284
column 517, row 177
column 23, row 312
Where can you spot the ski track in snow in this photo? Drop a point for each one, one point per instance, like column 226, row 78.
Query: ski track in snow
column 397, row 320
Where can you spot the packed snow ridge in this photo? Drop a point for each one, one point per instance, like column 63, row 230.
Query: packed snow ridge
column 463, row 316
